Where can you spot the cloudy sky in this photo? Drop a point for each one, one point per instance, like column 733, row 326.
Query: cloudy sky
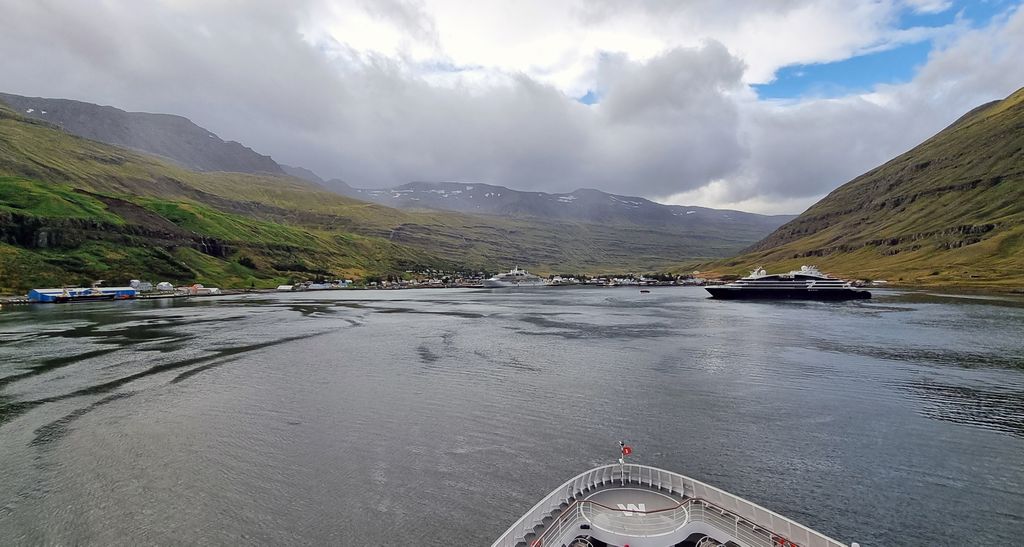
column 756, row 105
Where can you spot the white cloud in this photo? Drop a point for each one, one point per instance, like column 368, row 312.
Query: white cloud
column 380, row 93
column 930, row 6
column 722, row 194
column 557, row 42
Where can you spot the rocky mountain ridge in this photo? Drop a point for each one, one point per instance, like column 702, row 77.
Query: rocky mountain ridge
column 582, row 205
column 175, row 138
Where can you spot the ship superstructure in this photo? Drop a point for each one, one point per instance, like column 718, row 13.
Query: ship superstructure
column 807, row 283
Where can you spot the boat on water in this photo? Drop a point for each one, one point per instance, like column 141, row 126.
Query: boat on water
column 514, row 278
column 807, row 283
column 624, row 504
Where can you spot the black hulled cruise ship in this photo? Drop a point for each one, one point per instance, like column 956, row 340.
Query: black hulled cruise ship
column 807, row 283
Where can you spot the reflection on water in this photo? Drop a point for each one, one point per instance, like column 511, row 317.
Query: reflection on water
column 995, row 408
column 441, row 416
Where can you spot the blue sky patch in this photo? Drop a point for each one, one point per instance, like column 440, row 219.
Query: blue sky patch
column 588, row 99
column 863, row 72
column 853, row 75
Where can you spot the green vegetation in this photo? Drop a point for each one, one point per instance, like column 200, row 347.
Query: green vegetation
column 209, row 222
column 66, row 236
column 26, row 197
column 72, row 209
column 949, row 212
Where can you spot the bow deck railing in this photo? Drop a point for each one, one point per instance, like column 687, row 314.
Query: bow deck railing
column 746, row 521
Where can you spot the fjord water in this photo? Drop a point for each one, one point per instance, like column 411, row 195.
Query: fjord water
column 439, row 417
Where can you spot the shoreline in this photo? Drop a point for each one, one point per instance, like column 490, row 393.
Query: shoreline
column 954, row 291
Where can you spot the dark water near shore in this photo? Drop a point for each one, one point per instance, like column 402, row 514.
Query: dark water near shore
column 439, row 417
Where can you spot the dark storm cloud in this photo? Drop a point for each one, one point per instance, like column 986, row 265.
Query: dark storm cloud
column 220, row 63
column 669, row 123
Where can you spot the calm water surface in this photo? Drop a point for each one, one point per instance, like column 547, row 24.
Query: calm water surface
column 439, row 417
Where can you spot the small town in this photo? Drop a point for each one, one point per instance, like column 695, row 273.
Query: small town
column 426, row 279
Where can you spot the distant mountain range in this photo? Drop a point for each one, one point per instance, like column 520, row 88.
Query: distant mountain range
column 189, row 145
column 584, row 205
column 73, row 209
column 948, row 212
column 172, row 137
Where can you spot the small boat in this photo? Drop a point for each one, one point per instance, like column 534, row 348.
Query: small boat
column 644, row 291
column 629, row 504
column 807, row 283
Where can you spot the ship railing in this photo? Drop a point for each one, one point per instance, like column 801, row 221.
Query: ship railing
column 746, row 521
column 661, row 522
column 564, row 495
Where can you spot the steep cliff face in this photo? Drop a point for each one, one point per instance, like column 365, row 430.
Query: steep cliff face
column 950, row 209
column 47, row 233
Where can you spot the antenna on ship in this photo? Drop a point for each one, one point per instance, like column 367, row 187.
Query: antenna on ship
column 624, row 450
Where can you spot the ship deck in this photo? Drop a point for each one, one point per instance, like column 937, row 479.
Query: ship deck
column 642, row 512
column 643, row 506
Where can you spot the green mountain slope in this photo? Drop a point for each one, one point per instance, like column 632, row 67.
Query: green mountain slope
column 189, row 145
column 73, row 210
column 108, row 212
column 55, row 234
column 950, row 212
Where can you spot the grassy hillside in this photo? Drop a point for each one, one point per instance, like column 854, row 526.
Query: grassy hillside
column 948, row 212
column 55, row 234
column 283, row 224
